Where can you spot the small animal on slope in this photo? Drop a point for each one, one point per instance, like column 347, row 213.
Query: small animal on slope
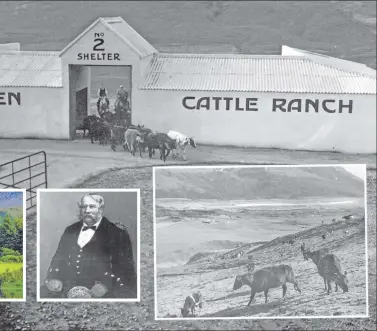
column 192, row 302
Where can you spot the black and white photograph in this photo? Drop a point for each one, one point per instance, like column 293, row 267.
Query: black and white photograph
column 260, row 242
column 88, row 245
column 95, row 94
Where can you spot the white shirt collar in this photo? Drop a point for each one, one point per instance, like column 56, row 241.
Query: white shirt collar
column 96, row 224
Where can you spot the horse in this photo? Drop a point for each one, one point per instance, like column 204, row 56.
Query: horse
column 102, row 106
column 121, row 104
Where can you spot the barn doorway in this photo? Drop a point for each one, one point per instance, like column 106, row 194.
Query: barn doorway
column 84, row 83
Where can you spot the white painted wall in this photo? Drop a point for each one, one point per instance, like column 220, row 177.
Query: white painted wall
column 349, row 133
column 38, row 116
column 328, row 60
column 10, row 47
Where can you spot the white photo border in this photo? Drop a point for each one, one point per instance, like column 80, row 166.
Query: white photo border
column 219, row 166
column 89, row 190
column 24, row 250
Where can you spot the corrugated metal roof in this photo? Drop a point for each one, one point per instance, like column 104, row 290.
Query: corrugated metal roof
column 30, row 69
column 118, row 24
column 275, row 73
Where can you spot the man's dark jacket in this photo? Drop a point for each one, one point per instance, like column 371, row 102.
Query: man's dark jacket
column 107, row 258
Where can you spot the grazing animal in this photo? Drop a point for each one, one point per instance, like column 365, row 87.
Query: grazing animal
column 347, row 218
column 192, row 302
column 323, row 236
column 264, row 279
column 181, row 142
column 330, row 269
column 322, row 222
column 333, row 220
column 160, row 141
column 316, row 256
column 133, row 139
column 291, row 242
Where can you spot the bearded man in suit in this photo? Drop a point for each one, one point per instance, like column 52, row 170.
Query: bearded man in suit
column 93, row 253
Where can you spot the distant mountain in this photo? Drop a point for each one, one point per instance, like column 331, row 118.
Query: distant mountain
column 257, row 183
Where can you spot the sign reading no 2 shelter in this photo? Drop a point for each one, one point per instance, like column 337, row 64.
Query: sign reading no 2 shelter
column 100, row 44
column 98, row 52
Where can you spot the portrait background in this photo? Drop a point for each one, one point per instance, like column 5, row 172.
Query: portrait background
column 59, row 209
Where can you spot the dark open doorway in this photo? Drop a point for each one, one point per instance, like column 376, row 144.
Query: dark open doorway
column 84, row 83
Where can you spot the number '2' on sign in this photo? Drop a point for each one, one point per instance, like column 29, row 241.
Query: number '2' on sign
column 98, row 42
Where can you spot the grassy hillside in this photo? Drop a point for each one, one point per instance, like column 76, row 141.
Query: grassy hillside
column 11, row 275
column 214, row 277
column 345, row 29
column 257, row 183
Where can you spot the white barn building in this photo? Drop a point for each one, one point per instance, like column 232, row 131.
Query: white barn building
column 297, row 100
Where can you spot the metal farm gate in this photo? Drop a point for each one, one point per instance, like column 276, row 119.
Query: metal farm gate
column 23, row 173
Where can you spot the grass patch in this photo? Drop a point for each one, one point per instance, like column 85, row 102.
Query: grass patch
column 11, row 276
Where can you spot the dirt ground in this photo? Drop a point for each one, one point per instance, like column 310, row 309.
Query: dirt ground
column 140, row 316
column 215, row 278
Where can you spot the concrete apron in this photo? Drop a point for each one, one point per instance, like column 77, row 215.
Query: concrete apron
column 72, row 161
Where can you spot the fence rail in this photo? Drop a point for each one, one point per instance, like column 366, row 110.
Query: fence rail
column 10, row 180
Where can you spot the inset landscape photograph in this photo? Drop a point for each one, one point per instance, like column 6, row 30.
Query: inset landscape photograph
column 12, row 241
column 260, row 242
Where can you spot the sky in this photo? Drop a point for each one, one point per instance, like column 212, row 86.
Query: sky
column 356, row 169
column 8, row 200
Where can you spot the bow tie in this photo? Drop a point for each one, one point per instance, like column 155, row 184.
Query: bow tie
column 93, row 227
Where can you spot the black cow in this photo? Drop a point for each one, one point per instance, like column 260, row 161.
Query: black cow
column 159, row 141
column 87, row 122
column 100, row 131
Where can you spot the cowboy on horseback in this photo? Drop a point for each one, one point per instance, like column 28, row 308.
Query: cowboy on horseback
column 122, row 94
column 102, row 93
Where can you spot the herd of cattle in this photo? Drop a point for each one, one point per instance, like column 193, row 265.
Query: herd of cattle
column 135, row 138
column 328, row 267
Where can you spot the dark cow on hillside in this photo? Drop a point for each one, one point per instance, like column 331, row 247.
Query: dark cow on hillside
column 315, row 256
column 330, row 269
column 159, row 141
column 264, row 279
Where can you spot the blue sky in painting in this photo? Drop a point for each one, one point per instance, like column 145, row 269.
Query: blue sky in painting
column 11, row 199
